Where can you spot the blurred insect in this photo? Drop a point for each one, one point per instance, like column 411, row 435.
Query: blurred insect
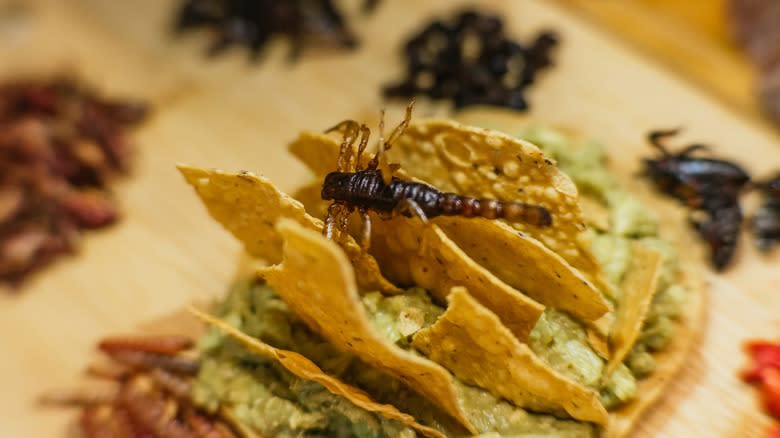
column 374, row 188
column 765, row 223
column 253, row 23
column 146, row 393
column 709, row 186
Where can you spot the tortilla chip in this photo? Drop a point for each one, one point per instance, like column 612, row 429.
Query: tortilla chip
column 248, row 206
column 525, row 264
column 470, row 341
column 598, row 334
column 308, row 370
column 318, row 152
column 638, row 285
column 570, row 291
column 490, row 164
column 669, row 362
column 317, row 283
column 414, row 253
column 309, row 196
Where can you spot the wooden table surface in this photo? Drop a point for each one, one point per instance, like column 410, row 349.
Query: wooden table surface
column 232, row 114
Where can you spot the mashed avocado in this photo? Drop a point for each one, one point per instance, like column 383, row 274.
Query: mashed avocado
column 628, row 220
column 275, row 403
column 272, row 401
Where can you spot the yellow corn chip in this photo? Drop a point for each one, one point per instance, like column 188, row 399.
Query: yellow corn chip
column 489, row 164
column 317, row 151
column 420, row 254
column 248, row 206
column 470, row 341
column 308, row 370
column 317, row 282
column 526, row 265
column 638, row 286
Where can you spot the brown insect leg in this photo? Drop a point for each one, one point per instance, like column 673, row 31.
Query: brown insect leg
column 378, row 160
column 343, row 223
column 351, row 129
column 364, row 134
column 330, row 220
column 372, row 165
column 409, row 207
column 365, row 239
column 399, row 130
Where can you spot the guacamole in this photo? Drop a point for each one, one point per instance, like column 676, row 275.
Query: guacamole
column 628, row 220
column 270, row 400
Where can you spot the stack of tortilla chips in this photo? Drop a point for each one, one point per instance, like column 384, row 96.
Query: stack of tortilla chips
column 477, row 364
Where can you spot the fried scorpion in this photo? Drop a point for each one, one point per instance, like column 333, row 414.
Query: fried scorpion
column 373, row 188
column 707, row 185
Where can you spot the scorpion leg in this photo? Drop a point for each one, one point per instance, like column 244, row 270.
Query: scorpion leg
column 379, row 161
column 374, row 162
column 344, row 220
column 409, row 208
column 365, row 238
column 399, row 130
column 330, row 220
column 351, row 129
column 364, row 134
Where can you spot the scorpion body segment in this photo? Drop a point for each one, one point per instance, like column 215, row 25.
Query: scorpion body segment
column 367, row 189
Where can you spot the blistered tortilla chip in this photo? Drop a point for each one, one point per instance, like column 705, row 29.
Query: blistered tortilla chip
column 248, row 206
column 309, row 196
column 420, row 254
column 319, row 152
column 308, row 370
column 317, row 283
column 638, row 285
column 490, row 164
column 526, row 265
column 470, row 341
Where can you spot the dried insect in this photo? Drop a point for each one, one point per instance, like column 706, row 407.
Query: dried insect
column 765, row 223
column 253, row 22
column 709, row 186
column 150, row 397
column 60, row 147
column 373, row 188
column 472, row 62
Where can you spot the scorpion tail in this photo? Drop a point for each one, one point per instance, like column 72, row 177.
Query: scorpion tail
column 511, row 211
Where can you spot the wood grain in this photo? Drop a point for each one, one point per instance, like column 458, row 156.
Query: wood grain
column 228, row 113
column 689, row 38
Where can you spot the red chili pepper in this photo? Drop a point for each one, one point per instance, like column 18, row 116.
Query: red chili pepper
column 770, row 388
column 765, row 355
column 764, row 372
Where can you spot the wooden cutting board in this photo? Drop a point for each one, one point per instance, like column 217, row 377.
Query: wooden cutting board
column 232, row 114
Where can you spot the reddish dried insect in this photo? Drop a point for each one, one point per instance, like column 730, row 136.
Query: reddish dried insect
column 374, row 188
column 709, row 186
column 150, row 396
